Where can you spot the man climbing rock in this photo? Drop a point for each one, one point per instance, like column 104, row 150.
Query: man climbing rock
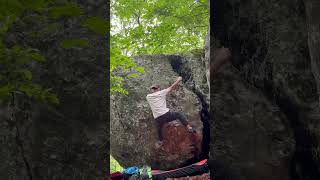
column 162, row 115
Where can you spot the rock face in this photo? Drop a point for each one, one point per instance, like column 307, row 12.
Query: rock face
column 312, row 14
column 249, row 133
column 266, row 101
column 65, row 141
column 178, row 142
column 133, row 134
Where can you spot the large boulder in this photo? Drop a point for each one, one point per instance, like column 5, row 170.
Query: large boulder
column 133, row 133
column 266, row 104
column 250, row 135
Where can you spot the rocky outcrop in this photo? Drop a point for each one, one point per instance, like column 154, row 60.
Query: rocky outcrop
column 65, row 141
column 312, row 14
column 133, row 134
column 206, row 58
column 249, row 132
column 265, row 102
column 178, row 142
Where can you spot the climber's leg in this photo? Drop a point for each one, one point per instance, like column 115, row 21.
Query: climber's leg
column 159, row 125
column 182, row 119
column 160, row 121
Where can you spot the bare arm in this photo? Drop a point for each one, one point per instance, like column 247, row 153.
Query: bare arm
column 175, row 84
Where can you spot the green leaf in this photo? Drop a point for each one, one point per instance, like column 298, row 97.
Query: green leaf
column 37, row 57
column 97, row 25
column 71, row 43
column 140, row 69
column 53, row 98
column 69, row 10
column 26, row 88
column 132, row 75
column 27, row 74
column 119, row 90
column 6, row 90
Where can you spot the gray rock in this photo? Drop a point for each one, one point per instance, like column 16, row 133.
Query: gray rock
column 132, row 130
column 269, row 97
column 249, row 133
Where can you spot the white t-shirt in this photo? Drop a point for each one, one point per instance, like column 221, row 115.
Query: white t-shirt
column 157, row 102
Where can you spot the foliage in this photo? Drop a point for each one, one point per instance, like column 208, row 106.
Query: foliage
column 119, row 62
column 31, row 62
column 71, row 43
column 67, row 10
column 15, row 62
column 97, row 25
column 154, row 27
column 159, row 26
column 17, row 78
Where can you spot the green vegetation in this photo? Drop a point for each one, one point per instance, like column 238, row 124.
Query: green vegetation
column 15, row 75
column 29, row 75
column 153, row 27
column 158, row 26
column 138, row 27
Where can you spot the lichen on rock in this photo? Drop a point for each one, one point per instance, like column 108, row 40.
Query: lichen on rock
column 133, row 133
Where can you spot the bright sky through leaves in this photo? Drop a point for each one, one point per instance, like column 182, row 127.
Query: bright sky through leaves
column 158, row 26
column 153, row 27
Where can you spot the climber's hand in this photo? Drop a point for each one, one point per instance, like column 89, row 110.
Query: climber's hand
column 175, row 84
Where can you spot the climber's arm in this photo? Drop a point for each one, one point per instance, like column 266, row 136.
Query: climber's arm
column 175, row 84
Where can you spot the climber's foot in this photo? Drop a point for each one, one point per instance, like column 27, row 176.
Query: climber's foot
column 190, row 129
column 159, row 144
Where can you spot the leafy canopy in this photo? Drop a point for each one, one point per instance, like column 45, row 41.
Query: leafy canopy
column 159, row 26
column 154, row 27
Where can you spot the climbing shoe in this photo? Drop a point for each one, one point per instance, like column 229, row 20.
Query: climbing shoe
column 191, row 130
column 159, row 144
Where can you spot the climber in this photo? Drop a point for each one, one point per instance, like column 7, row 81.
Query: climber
column 161, row 114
